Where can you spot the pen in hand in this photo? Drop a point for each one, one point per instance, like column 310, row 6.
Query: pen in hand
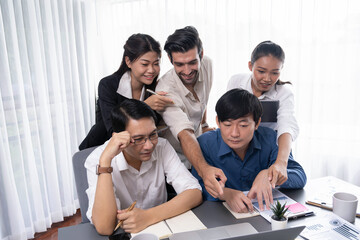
column 155, row 93
column 127, row 210
column 152, row 92
column 159, row 94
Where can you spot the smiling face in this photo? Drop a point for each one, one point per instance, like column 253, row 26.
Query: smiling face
column 265, row 73
column 237, row 133
column 145, row 68
column 142, row 128
column 187, row 66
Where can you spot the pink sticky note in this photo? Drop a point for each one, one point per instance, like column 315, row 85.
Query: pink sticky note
column 296, row 208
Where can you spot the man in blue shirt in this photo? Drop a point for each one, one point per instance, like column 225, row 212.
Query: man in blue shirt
column 244, row 151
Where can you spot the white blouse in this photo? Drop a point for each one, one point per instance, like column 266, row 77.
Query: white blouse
column 124, row 88
column 286, row 121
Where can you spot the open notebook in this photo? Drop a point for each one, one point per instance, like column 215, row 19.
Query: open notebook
column 187, row 221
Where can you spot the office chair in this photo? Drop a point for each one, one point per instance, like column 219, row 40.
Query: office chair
column 269, row 116
column 81, row 180
column 270, row 109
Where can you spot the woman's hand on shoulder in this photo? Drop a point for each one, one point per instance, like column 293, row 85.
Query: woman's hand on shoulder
column 207, row 129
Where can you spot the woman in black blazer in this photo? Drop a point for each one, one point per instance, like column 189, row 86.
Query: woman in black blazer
column 139, row 70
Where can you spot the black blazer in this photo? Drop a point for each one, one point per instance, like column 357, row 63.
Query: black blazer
column 108, row 99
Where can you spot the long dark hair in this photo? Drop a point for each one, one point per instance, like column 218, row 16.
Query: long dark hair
column 136, row 46
column 267, row 48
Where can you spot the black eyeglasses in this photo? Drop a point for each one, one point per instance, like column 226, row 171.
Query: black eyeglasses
column 142, row 140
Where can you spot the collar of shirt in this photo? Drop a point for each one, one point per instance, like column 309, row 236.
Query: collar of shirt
column 225, row 149
column 269, row 95
column 124, row 88
column 122, row 164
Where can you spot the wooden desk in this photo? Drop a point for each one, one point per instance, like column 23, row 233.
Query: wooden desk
column 218, row 216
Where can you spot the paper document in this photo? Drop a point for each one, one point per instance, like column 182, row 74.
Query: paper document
column 330, row 226
column 241, row 215
column 322, row 197
column 296, row 209
column 187, row 221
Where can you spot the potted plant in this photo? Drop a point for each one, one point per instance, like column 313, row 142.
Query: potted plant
column 278, row 220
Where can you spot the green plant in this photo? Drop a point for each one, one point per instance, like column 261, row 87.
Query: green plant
column 279, row 211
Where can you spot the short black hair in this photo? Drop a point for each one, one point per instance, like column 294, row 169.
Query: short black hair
column 129, row 109
column 237, row 103
column 182, row 40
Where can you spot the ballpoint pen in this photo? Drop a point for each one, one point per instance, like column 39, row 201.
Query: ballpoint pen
column 151, row 91
column 155, row 93
column 325, row 205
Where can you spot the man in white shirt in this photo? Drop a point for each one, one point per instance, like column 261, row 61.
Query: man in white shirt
column 132, row 166
column 188, row 84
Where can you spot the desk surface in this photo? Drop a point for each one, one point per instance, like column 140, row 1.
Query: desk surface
column 218, row 216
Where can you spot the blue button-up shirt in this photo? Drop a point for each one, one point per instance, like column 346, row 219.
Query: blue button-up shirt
column 260, row 155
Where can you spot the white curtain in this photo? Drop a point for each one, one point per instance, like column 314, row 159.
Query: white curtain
column 54, row 52
column 47, row 96
column 321, row 40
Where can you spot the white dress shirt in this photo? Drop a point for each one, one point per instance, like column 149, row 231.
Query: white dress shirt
column 286, row 121
column 187, row 112
column 124, row 87
column 146, row 186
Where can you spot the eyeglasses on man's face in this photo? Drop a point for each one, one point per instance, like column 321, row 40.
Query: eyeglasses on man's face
column 140, row 140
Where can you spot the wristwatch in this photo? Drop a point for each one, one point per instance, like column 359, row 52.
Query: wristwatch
column 100, row 170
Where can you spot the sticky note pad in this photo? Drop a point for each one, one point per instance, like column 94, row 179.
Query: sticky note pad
column 296, row 208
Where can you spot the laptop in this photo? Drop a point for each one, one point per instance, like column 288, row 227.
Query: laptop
column 240, row 231
column 283, row 234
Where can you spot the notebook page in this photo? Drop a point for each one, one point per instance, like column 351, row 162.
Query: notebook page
column 160, row 229
column 187, row 221
column 241, row 215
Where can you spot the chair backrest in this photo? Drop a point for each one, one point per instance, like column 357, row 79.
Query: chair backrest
column 81, row 180
column 270, row 108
